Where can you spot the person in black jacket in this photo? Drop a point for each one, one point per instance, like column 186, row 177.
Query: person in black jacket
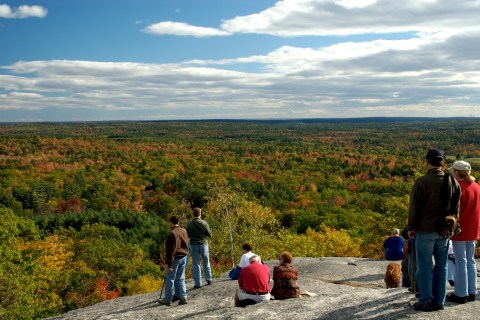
column 433, row 196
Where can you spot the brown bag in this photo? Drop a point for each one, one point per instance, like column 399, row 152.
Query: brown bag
column 449, row 225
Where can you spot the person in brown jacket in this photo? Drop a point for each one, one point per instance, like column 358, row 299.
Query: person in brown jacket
column 175, row 259
column 285, row 278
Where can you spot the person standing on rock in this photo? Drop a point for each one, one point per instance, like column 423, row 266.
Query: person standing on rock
column 175, row 259
column 464, row 243
column 199, row 232
column 433, row 195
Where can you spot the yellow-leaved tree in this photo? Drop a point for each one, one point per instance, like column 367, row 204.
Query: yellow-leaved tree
column 235, row 220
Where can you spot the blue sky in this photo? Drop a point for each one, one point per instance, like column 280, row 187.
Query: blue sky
column 66, row 60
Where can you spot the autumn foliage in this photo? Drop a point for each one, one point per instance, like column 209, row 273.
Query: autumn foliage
column 84, row 207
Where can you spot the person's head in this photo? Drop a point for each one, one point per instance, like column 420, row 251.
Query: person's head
column 435, row 158
column 395, row 232
column 255, row 258
column 197, row 212
column 247, row 247
column 174, row 220
column 462, row 170
column 286, row 257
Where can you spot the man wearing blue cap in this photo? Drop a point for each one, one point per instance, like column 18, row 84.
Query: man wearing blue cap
column 433, row 195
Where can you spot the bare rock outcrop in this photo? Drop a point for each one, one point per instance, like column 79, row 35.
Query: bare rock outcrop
column 343, row 288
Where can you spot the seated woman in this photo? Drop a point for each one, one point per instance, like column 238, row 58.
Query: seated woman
column 285, row 279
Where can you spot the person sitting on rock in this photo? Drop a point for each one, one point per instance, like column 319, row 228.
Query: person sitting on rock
column 254, row 283
column 244, row 261
column 394, row 246
column 245, row 258
column 285, row 278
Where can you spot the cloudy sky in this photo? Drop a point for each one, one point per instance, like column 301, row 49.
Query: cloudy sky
column 238, row 59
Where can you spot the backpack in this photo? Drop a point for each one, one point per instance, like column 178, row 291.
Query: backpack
column 234, row 273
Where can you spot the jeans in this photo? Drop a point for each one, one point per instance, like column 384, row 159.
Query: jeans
column 197, row 251
column 175, row 280
column 431, row 278
column 465, row 269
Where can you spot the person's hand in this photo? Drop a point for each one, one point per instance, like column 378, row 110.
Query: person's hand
column 411, row 234
column 170, row 269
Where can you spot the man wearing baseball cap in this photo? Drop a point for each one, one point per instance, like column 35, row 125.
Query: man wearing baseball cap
column 430, row 199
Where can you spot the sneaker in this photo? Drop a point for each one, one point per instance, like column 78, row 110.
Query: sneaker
column 183, row 301
column 175, row 298
column 163, row 302
column 196, row 287
column 426, row 306
column 456, row 299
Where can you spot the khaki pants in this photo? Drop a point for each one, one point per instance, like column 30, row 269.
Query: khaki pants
column 241, row 295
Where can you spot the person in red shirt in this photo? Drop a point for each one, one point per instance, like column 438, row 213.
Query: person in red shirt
column 254, row 283
column 464, row 243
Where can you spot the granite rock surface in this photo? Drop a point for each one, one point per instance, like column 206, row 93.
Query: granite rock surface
column 333, row 288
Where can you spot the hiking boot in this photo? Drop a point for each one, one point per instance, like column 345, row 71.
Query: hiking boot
column 425, row 306
column 183, row 301
column 175, row 298
column 456, row 299
column 437, row 307
column 209, row 283
column 163, row 302
column 196, row 287
column 471, row 297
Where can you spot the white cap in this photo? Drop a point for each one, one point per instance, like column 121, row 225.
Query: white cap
column 462, row 166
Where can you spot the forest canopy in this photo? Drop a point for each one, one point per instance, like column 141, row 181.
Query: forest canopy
column 84, row 207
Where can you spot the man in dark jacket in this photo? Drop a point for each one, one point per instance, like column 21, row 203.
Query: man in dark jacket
column 175, row 260
column 199, row 232
column 430, row 201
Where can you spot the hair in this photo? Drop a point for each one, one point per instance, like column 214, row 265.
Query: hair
column 174, row 220
column 286, row 257
column 197, row 212
column 247, row 246
column 255, row 258
column 395, row 231
column 465, row 174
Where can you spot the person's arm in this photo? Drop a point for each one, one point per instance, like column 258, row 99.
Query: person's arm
column 170, row 250
column 413, row 211
column 207, row 229
column 455, row 200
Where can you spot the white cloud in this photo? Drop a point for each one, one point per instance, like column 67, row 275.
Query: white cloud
column 370, row 78
column 183, row 29
column 348, row 17
column 22, row 12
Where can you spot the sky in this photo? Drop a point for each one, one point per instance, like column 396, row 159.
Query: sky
column 100, row 60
